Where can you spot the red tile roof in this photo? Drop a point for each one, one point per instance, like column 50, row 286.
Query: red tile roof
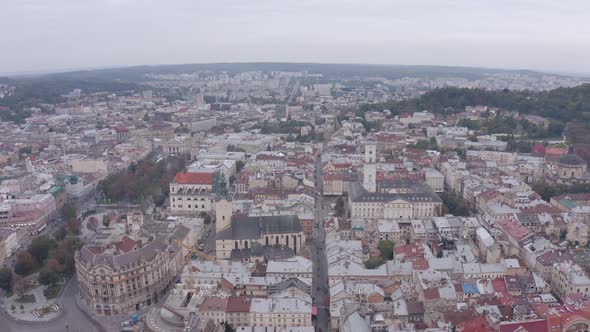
column 554, row 256
column 213, row 304
column 193, row 178
column 238, row 304
column 431, row 294
column 411, row 252
column 420, row 265
column 126, row 244
column 536, row 325
column 499, row 285
column 555, row 151
column 479, row 324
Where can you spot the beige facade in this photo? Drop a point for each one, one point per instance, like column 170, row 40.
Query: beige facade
column 89, row 166
column 8, row 243
column 184, row 202
column 335, row 184
column 435, row 180
column 294, row 241
column 290, row 312
column 180, row 145
column 192, row 193
column 122, row 284
column 395, row 209
column 568, row 279
column 571, row 171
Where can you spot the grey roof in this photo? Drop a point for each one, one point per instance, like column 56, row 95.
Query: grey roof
column 288, row 283
column 396, row 183
column 145, row 253
column 243, row 228
column 571, row 159
column 268, row 252
column 180, row 233
column 419, row 193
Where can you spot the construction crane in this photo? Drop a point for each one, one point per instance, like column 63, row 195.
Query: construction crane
column 192, row 250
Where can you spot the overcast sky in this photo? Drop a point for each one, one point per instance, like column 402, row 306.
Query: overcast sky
column 70, row 34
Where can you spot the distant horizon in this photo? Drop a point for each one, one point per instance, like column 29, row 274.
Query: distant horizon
column 61, row 35
column 51, row 71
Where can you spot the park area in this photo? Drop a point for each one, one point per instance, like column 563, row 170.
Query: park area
column 37, row 304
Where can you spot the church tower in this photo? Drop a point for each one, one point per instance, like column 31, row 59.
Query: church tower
column 223, row 214
column 370, row 168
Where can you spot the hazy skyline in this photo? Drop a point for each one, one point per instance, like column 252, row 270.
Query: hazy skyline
column 41, row 35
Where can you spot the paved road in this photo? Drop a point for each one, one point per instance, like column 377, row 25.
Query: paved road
column 75, row 319
column 320, row 287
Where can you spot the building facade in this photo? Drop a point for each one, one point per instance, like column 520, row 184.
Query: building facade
column 191, row 192
column 244, row 233
column 123, row 284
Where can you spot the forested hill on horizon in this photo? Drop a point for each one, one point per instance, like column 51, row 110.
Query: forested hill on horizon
column 567, row 108
column 564, row 104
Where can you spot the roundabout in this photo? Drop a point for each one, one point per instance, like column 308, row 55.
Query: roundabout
column 47, row 311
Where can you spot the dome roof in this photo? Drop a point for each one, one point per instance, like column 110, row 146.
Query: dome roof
column 571, row 159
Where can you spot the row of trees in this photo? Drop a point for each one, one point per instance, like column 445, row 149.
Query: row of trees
column 143, row 180
column 548, row 190
column 425, row 144
column 51, row 256
column 54, row 260
column 509, row 125
column 454, row 204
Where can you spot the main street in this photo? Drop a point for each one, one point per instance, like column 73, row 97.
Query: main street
column 320, row 287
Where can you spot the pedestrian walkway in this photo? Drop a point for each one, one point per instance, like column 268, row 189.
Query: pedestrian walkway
column 32, row 307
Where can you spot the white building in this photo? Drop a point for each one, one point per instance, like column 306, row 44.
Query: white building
column 296, row 266
column 280, row 312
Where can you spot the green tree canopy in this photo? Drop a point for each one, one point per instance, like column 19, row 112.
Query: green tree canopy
column 68, row 211
column 24, row 263
column 386, row 249
column 339, row 207
column 374, row 262
column 454, row 203
column 40, row 247
column 48, row 277
column 6, row 279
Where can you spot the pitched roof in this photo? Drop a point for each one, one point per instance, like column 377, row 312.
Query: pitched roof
column 238, row 304
column 193, row 178
column 127, row 244
column 213, row 304
column 243, row 227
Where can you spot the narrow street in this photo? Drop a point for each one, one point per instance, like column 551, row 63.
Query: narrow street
column 320, row 287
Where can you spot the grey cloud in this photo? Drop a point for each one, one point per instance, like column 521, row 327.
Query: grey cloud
column 62, row 34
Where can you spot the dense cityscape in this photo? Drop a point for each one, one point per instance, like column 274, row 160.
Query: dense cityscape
column 253, row 200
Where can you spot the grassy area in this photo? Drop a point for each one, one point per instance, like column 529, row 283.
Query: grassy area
column 52, row 292
column 28, row 298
